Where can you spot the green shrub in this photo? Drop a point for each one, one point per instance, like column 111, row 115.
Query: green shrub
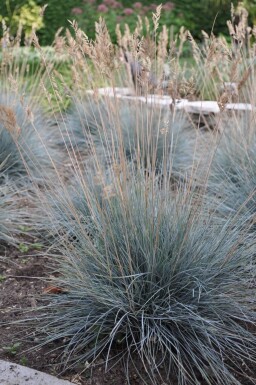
column 194, row 16
column 56, row 16
column 33, row 57
column 26, row 14
column 251, row 7
column 174, row 14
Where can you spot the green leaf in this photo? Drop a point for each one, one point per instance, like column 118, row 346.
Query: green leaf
column 23, row 247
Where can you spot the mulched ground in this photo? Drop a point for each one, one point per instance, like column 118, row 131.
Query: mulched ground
column 23, row 277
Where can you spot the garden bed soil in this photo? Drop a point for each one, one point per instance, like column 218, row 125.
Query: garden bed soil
column 23, row 277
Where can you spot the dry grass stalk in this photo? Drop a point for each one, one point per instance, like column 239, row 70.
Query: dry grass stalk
column 244, row 78
column 196, row 50
column 103, row 51
column 182, row 40
column 8, row 120
column 156, row 17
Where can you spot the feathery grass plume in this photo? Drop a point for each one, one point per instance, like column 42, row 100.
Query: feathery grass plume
column 224, row 72
column 25, row 64
column 160, row 279
column 214, row 71
column 28, row 75
column 156, row 17
column 27, row 141
column 138, row 61
column 232, row 174
column 115, row 130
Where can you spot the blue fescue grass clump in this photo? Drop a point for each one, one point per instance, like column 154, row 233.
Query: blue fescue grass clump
column 69, row 210
column 232, row 175
column 81, row 126
column 115, row 129
column 27, row 140
column 160, row 278
column 12, row 213
column 6, row 215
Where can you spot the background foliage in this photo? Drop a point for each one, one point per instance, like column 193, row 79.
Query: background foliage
column 193, row 15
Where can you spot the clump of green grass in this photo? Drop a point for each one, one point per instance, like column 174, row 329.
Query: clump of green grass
column 160, row 278
column 68, row 208
column 28, row 157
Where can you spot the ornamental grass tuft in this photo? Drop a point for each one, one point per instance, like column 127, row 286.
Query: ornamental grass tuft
column 120, row 130
column 232, row 174
column 13, row 215
column 145, row 269
column 159, row 278
column 27, row 148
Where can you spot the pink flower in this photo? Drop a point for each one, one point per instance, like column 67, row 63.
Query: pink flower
column 153, row 7
column 76, row 11
column 137, row 5
column 128, row 11
column 168, row 6
column 102, row 8
column 116, row 4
